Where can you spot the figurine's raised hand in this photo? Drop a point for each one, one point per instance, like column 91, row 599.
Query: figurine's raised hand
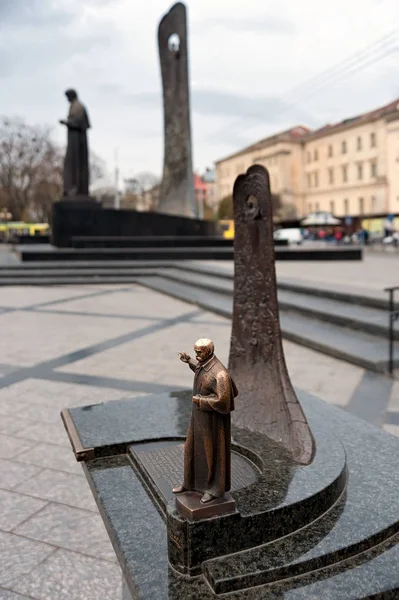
column 184, row 357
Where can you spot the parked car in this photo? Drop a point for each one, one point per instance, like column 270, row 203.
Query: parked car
column 291, row 235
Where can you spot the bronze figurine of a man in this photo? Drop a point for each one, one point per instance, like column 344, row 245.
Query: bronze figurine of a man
column 207, row 451
column 76, row 164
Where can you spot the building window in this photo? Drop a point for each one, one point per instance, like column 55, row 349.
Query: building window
column 330, row 151
column 316, row 179
column 359, row 143
column 373, row 169
column 373, row 202
column 346, row 206
column 361, row 206
column 332, row 206
column 309, row 157
column 373, row 141
column 331, row 176
column 309, row 178
column 343, row 147
column 360, row 171
column 344, row 173
column 316, row 154
column 317, row 207
column 310, row 207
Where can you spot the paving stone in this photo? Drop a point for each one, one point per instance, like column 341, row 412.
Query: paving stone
column 69, row 528
column 158, row 361
column 16, row 508
column 41, row 432
column 65, row 488
column 23, row 296
column 58, row 458
column 12, row 446
column 70, row 576
column 393, row 429
column 394, row 399
column 12, row 424
column 7, row 595
column 13, row 473
column 53, row 335
column 18, row 556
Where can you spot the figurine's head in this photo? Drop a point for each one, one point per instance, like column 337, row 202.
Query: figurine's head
column 71, row 95
column 203, row 349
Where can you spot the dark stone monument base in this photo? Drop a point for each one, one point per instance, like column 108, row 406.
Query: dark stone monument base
column 85, row 218
column 69, row 214
column 298, row 533
column 189, row 505
column 199, row 251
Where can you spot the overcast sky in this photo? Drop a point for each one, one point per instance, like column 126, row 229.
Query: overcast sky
column 246, row 59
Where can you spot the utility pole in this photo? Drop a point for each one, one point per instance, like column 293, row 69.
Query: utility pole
column 117, row 200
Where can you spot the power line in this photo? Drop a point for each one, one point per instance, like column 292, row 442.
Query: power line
column 355, row 68
column 353, row 62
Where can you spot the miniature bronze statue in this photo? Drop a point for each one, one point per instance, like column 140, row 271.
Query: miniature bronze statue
column 207, row 454
column 76, row 164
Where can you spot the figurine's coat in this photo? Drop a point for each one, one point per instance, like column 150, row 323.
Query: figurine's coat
column 207, row 453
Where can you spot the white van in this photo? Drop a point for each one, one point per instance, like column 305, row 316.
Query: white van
column 292, row 235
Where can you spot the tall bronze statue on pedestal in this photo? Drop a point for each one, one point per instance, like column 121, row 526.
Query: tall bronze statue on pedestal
column 207, row 452
column 76, row 164
column 268, row 403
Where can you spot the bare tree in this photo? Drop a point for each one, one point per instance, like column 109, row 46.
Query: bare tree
column 31, row 170
column 147, row 180
column 25, row 152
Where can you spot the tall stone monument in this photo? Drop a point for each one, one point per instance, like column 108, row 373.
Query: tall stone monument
column 177, row 188
column 268, row 403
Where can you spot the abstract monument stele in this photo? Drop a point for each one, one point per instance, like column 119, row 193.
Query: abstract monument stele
column 177, row 188
column 268, row 403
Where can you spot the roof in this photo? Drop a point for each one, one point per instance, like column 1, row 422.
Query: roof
column 373, row 115
column 199, row 183
column 293, row 135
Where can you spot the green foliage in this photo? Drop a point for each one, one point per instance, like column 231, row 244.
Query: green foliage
column 225, row 210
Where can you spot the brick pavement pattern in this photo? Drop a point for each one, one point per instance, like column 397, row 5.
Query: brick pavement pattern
column 71, row 346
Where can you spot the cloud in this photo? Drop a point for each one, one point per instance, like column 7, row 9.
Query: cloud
column 266, row 23
column 34, row 13
column 216, row 103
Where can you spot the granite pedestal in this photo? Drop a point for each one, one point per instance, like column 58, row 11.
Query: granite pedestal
column 86, row 219
column 327, row 530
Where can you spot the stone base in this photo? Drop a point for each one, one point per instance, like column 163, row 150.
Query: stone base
column 70, row 214
column 189, row 505
column 80, row 218
column 327, row 530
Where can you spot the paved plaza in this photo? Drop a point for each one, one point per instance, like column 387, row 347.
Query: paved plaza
column 69, row 346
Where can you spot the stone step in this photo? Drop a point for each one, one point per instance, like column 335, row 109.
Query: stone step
column 366, row 297
column 32, row 253
column 70, row 280
column 354, row 346
column 46, row 252
column 93, row 265
column 368, row 319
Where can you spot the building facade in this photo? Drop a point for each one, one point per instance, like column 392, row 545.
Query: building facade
column 205, row 191
column 349, row 169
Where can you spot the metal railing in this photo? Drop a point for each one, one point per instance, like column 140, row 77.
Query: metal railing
column 393, row 315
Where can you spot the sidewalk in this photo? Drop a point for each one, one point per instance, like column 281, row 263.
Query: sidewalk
column 71, row 346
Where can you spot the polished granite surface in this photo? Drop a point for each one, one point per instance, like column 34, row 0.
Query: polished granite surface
column 367, row 515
